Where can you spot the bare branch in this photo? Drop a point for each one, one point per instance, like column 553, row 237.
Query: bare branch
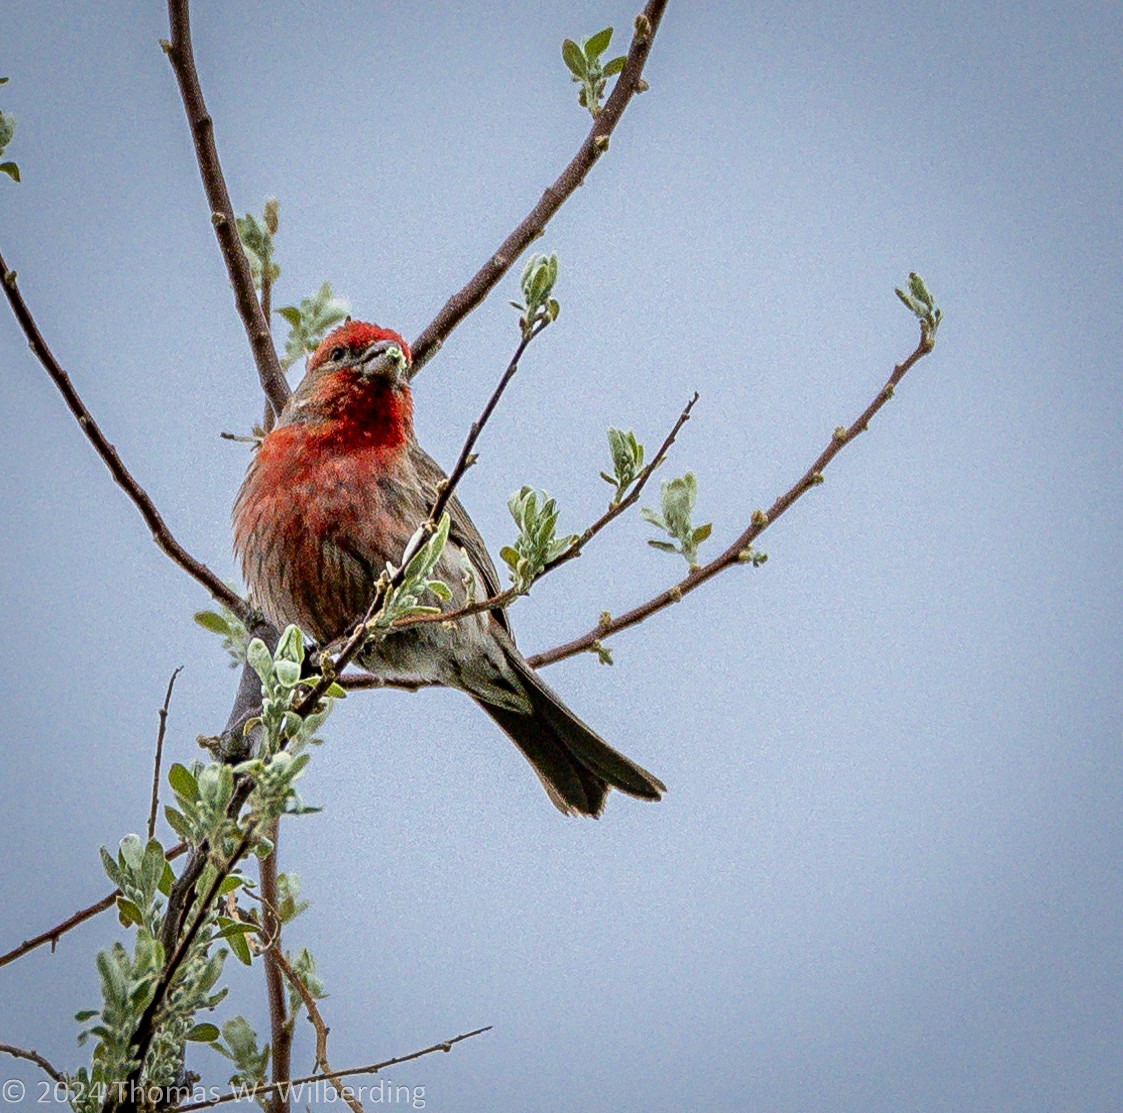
column 373, row 1068
column 365, row 681
column 742, row 545
column 159, row 755
column 280, row 1026
column 317, row 1022
column 596, row 143
column 160, row 532
column 52, row 936
column 182, row 57
column 33, row 1057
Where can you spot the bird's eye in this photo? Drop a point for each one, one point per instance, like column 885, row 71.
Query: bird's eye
column 336, row 355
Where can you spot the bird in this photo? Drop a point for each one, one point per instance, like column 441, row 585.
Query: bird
column 334, row 492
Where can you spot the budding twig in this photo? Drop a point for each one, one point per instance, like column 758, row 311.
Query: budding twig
column 373, row 1068
column 317, row 1022
column 33, row 1057
column 483, row 282
column 760, row 522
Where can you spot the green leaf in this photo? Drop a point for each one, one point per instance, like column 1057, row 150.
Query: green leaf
column 182, row 782
column 213, row 622
column 597, row 44
column 85, row 1014
column 702, row 532
column 203, row 1033
column 615, row 66
column 574, row 58
column 290, row 313
column 664, row 546
column 128, row 912
column 11, row 169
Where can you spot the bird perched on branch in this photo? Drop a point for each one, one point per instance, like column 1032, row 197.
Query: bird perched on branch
column 334, row 493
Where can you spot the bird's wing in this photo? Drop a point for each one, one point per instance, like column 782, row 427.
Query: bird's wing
column 462, row 530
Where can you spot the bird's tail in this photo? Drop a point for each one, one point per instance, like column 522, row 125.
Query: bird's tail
column 575, row 765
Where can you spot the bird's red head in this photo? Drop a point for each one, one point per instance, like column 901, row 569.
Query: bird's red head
column 354, row 343
column 356, row 390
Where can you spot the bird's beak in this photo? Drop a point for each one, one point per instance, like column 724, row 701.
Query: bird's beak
column 383, row 360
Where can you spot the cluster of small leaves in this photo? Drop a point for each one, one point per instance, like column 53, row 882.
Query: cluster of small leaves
column 537, row 543
column 232, row 630
column 304, row 967
column 588, row 71
column 281, row 684
column 142, row 873
column 421, row 557
column 202, row 796
column 238, row 1043
column 920, row 301
column 257, row 239
column 539, row 308
column 7, row 130
column 309, row 322
column 679, row 496
column 128, row 982
column 627, row 462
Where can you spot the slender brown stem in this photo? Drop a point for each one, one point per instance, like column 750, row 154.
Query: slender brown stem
column 372, row 1068
column 279, row 1024
column 182, row 57
column 317, row 1022
column 365, row 681
column 734, row 554
column 596, row 143
column 154, row 807
column 160, row 532
column 53, row 935
column 32, row 1057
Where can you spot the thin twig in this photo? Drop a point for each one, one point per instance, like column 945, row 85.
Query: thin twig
column 504, row 598
column 52, row 936
column 308, row 1079
column 281, row 1031
column 595, row 144
column 159, row 755
column 32, row 1057
column 317, row 1022
column 760, row 522
column 181, row 55
column 466, row 459
column 160, row 532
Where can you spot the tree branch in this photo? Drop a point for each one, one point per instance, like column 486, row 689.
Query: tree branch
column 596, row 143
column 373, row 1068
column 52, row 936
column 182, row 58
column 317, row 1022
column 159, row 755
column 280, row 1027
column 33, row 1057
column 742, row 545
column 156, row 524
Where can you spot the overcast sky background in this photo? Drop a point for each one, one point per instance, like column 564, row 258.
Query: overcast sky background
column 886, row 874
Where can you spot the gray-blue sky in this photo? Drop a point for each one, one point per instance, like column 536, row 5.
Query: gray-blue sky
column 886, row 874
